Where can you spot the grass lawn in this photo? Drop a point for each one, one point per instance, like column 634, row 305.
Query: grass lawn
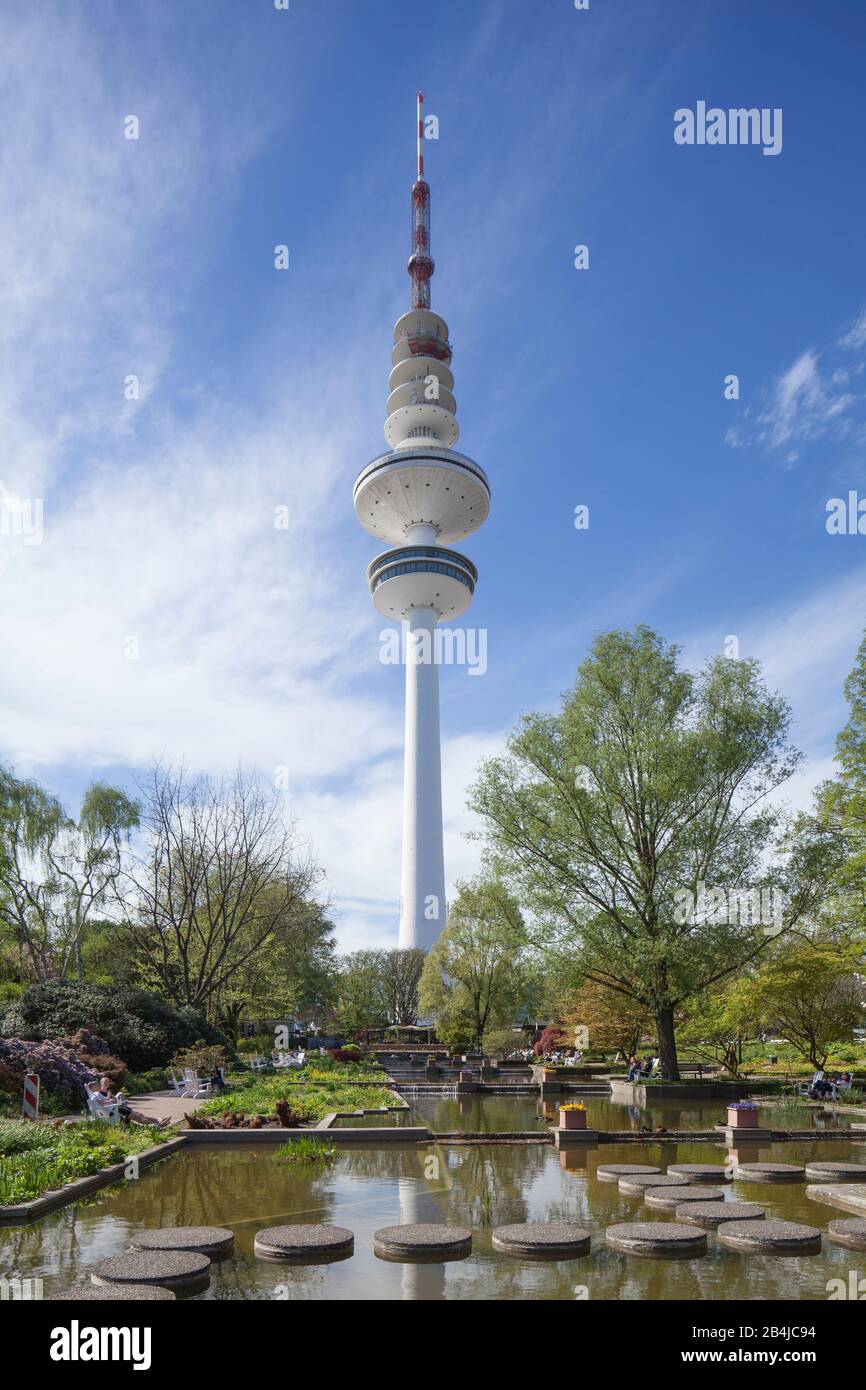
column 37, row 1157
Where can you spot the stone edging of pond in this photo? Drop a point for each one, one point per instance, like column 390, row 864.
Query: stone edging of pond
column 24, row 1212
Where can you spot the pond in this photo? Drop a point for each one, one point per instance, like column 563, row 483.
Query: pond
column 485, row 1114
column 247, row 1188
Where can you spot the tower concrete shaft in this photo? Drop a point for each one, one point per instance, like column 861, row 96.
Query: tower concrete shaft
column 422, row 893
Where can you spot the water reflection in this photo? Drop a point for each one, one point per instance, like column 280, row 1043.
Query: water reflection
column 481, row 1186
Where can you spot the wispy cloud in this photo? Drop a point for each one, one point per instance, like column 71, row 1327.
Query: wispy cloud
column 819, row 395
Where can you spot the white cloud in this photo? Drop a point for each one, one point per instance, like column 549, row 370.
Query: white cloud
column 806, row 647
column 855, row 336
column 807, row 401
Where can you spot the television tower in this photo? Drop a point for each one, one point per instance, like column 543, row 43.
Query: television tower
column 421, row 497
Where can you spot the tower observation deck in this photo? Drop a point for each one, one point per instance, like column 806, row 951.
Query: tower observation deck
column 421, row 497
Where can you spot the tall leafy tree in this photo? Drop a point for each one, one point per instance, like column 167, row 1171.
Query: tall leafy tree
column 472, row 976
column 361, row 1003
column 812, row 991
column 292, row 970
column 650, row 782
column 841, row 806
column 58, row 874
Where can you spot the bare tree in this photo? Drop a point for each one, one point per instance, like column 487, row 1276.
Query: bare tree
column 400, row 978
column 220, row 871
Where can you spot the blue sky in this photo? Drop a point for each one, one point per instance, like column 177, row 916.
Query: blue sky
column 261, row 388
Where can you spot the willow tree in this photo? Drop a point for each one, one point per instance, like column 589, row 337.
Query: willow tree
column 472, row 978
column 58, row 874
column 636, row 824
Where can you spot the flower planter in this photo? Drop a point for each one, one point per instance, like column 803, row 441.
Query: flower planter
column 572, row 1119
column 743, row 1119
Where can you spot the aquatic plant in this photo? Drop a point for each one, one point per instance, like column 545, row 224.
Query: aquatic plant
column 307, row 1151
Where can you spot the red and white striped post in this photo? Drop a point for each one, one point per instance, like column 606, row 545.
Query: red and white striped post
column 31, row 1096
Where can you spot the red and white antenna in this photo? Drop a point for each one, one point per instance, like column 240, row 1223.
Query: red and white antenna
column 421, row 264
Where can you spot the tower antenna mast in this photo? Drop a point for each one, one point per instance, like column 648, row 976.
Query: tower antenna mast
column 421, row 264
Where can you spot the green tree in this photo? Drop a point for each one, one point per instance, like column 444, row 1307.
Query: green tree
column 812, row 991
column 610, row 817
column 714, row 1024
column 471, row 980
column 361, row 1003
column 58, row 874
column 841, row 807
column 292, row 970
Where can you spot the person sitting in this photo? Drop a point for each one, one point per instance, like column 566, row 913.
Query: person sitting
column 105, row 1095
column 217, row 1080
column 647, row 1067
column 820, row 1086
column 633, row 1069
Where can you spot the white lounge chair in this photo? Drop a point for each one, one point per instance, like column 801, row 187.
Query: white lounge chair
column 99, row 1107
column 194, row 1089
column 178, row 1088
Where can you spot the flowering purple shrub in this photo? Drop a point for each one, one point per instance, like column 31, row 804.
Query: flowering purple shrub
column 60, row 1071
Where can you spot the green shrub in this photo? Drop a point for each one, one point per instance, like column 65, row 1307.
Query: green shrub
column 139, row 1083
column 23, row 1136
column 144, row 1029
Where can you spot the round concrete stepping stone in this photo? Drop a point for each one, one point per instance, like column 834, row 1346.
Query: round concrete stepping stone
column 836, row 1172
column 636, row 1186
column 543, row 1240
column 612, row 1172
column 669, row 1198
column 711, row 1215
column 702, row 1172
column 771, row 1237
column 215, row 1241
column 850, row 1231
column 173, row 1269
column 660, row 1239
column 411, row 1243
column 769, row 1172
column 105, row 1293
column 310, row 1244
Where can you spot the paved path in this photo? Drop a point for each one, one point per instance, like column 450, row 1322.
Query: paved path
column 160, row 1105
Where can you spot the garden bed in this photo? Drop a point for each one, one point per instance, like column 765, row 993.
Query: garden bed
column 310, row 1099
column 43, row 1167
